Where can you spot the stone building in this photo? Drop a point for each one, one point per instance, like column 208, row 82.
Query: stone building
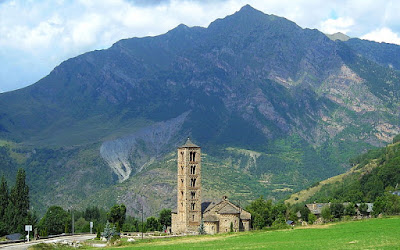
column 219, row 217
column 190, row 211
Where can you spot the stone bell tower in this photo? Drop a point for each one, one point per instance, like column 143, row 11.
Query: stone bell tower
column 188, row 211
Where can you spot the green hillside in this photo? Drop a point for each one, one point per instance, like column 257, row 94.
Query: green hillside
column 373, row 175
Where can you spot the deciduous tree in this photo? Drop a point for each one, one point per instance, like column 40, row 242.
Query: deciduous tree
column 55, row 220
column 165, row 217
column 117, row 216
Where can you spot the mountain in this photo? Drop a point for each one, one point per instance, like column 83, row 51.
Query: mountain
column 275, row 108
column 338, row 36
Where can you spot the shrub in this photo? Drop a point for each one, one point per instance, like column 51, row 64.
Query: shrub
column 312, row 218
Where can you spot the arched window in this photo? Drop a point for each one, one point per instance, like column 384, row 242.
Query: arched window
column 182, row 168
column 192, row 182
column 194, row 156
column 182, row 159
column 182, row 182
column 192, row 217
column 193, row 205
column 192, row 169
column 182, row 193
column 193, row 195
column 191, row 155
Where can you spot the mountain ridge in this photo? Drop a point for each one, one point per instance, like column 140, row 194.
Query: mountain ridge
column 250, row 81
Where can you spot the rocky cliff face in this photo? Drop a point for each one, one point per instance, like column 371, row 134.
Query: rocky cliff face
column 130, row 154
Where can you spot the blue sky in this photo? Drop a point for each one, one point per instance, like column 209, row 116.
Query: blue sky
column 37, row 35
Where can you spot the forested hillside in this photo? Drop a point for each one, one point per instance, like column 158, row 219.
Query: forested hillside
column 375, row 177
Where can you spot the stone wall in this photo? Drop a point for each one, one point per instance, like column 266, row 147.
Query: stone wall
column 225, row 221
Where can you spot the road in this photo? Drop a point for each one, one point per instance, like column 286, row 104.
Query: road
column 72, row 238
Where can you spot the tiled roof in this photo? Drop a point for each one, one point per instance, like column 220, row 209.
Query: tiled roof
column 189, row 144
column 229, row 209
column 316, row 208
column 210, row 218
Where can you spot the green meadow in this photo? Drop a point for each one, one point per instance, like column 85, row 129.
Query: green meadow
column 364, row 234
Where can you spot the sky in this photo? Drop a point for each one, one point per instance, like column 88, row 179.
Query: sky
column 37, row 35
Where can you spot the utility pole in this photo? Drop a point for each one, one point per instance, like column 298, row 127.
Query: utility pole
column 142, row 221
column 73, row 221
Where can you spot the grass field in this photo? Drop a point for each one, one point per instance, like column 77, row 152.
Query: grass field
column 363, row 234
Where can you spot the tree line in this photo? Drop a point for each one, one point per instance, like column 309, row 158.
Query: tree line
column 15, row 213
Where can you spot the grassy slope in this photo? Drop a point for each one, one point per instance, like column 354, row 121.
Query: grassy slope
column 364, row 234
column 305, row 194
column 369, row 162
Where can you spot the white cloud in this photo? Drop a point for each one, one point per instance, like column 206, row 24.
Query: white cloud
column 383, row 35
column 38, row 35
column 341, row 24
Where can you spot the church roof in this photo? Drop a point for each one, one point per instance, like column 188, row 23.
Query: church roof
column 206, row 205
column 229, row 209
column 189, row 144
column 210, row 218
column 224, row 207
column 244, row 215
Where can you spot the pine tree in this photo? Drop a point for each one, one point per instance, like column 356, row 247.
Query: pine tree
column 4, row 199
column 18, row 207
column 109, row 231
column 201, row 227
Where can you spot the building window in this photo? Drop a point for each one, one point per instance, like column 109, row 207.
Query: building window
column 191, row 155
column 194, row 156
column 182, row 193
column 193, row 182
column 182, row 168
column 192, row 217
column 182, row 159
column 182, row 182
column 193, row 205
column 193, row 194
column 193, row 170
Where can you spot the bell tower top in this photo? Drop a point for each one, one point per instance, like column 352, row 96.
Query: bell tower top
column 189, row 144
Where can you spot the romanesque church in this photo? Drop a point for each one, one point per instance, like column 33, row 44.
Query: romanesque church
column 190, row 210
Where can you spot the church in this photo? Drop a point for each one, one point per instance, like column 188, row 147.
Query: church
column 222, row 216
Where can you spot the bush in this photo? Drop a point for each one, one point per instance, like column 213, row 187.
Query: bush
column 278, row 224
column 326, row 213
column 312, row 218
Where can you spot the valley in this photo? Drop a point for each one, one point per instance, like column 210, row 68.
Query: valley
column 275, row 108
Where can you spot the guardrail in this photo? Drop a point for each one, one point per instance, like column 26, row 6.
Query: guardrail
column 41, row 238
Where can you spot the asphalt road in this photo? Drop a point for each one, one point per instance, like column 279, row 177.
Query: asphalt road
column 72, row 238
